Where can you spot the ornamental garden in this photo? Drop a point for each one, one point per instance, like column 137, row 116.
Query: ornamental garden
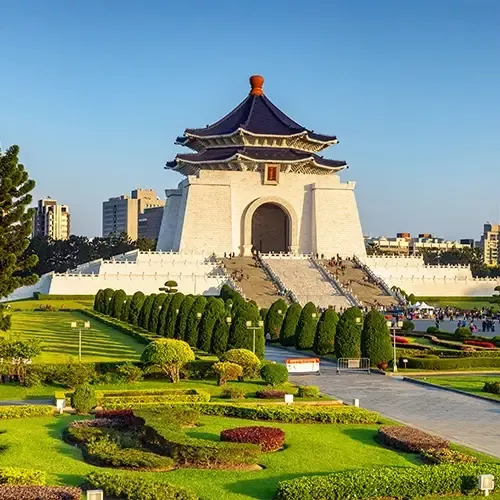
column 169, row 401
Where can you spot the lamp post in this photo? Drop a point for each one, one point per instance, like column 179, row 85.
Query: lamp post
column 253, row 328
column 80, row 325
column 393, row 325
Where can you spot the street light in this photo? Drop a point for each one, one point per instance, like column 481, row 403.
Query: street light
column 80, row 325
column 253, row 328
column 394, row 324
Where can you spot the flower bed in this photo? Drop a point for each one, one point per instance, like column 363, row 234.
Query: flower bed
column 268, row 438
column 270, row 394
column 403, row 438
column 478, row 343
column 31, row 492
column 447, row 456
column 390, row 482
column 401, row 340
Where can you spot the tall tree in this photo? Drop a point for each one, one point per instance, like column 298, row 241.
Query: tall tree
column 306, row 328
column 375, row 339
column 347, row 340
column 213, row 311
column 274, row 318
column 287, row 332
column 180, row 324
column 193, row 320
column 325, row 332
column 16, row 221
column 143, row 320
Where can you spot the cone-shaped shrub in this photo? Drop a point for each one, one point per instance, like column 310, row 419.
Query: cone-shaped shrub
column 180, row 325
column 117, row 302
column 375, row 339
column 348, row 335
column 274, row 318
column 240, row 337
column 173, row 311
column 287, row 333
column 98, row 300
column 325, row 332
column 213, row 311
column 147, row 305
column 220, row 337
column 306, row 328
column 125, row 310
column 155, row 312
column 162, row 317
column 135, row 307
column 107, row 296
column 193, row 320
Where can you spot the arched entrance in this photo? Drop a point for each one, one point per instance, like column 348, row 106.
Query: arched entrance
column 270, row 229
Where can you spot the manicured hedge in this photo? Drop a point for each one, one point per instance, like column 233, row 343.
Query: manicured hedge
column 16, row 475
column 425, row 363
column 26, row 411
column 447, row 456
column 290, row 414
column 44, row 296
column 199, row 369
column 12, row 492
column 270, row 394
column 268, row 438
column 403, row 438
column 393, row 482
column 129, row 399
column 138, row 488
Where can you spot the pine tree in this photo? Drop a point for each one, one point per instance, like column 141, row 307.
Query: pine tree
column 274, row 318
column 143, row 319
column 193, row 320
column 375, row 339
column 171, row 317
column 155, row 312
column 220, row 337
column 306, row 327
column 117, row 303
column 325, row 332
column 348, row 335
column 180, row 324
column 213, row 311
column 287, row 332
column 16, row 221
column 98, row 300
column 106, row 300
column 135, row 307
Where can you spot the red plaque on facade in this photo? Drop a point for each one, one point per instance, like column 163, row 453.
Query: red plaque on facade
column 271, row 174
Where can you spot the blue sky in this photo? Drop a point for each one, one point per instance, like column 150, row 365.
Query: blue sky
column 95, row 93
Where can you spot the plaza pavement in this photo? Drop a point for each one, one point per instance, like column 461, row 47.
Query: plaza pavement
column 462, row 419
column 421, row 325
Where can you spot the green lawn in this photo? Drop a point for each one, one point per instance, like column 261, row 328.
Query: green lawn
column 31, row 304
column 60, row 341
column 472, row 384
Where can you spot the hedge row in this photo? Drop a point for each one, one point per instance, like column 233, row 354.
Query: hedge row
column 121, row 486
column 18, row 476
column 11, row 492
column 392, row 482
column 110, row 402
column 26, row 411
column 434, row 363
column 290, row 414
column 409, row 439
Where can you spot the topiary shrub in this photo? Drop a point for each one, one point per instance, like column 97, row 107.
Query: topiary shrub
column 117, row 302
column 171, row 317
column 248, row 361
column 433, row 329
column 135, row 308
column 98, row 301
column 447, row 456
column 492, row 387
column 129, row 373
column 403, row 438
column 227, row 371
column 125, row 310
column 214, row 310
column 106, row 300
column 270, row 394
column 84, row 399
column 289, row 326
column 220, row 337
column 408, row 326
column 347, row 341
column 308, row 391
column 324, row 341
column 155, row 312
column 143, row 319
column 162, row 316
column 274, row 374
column 169, row 355
column 274, row 318
column 240, row 337
column 375, row 339
column 462, row 332
column 306, row 327
column 232, row 393
column 180, row 324
column 268, row 438
column 193, row 320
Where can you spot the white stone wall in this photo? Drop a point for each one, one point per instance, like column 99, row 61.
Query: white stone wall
column 216, row 203
column 171, row 216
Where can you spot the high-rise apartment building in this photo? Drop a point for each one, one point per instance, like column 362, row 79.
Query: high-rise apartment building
column 51, row 220
column 490, row 243
column 122, row 214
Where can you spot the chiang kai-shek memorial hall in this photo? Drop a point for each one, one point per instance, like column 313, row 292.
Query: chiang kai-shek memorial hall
column 256, row 181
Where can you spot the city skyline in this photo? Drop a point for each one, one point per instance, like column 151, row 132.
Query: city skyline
column 101, row 92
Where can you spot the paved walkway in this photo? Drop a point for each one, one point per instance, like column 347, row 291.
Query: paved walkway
column 462, row 419
column 421, row 325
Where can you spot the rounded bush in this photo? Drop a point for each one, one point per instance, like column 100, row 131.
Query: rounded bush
column 232, row 393
column 268, row 438
column 274, row 373
column 270, row 394
column 248, row 361
column 403, row 438
column 83, row 400
column 227, row 371
column 308, row 391
column 408, row 326
column 463, row 332
column 492, row 387
column 433, row 329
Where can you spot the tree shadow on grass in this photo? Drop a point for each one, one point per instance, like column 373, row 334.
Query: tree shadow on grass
column 55, row 430
column 203, row 435
column 365, row 436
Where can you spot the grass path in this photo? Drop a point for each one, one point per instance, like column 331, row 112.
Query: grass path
column 60, row 341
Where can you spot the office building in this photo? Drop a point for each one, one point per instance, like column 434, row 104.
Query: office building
column 121, row 214
column 403, row 244
column 150, row 222
column 51, row 220
column 490, row 242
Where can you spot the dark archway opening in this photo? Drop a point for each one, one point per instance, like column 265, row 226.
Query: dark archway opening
column 270, row 229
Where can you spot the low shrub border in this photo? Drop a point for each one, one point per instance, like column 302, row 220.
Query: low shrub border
column 270, row 394
column 403, row 438
column 268, row 438
column 422, row 363
column 397, row 482
column 120, row 486
column 492, row 387
column 31, row 492
column 447, row 456
column 26, row 411
column 19, row 476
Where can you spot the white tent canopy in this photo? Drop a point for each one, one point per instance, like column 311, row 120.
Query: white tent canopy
column 422, row 306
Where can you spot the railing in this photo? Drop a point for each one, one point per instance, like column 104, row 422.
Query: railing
column 336, row 284
column 287, row 294
column 356, row 365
